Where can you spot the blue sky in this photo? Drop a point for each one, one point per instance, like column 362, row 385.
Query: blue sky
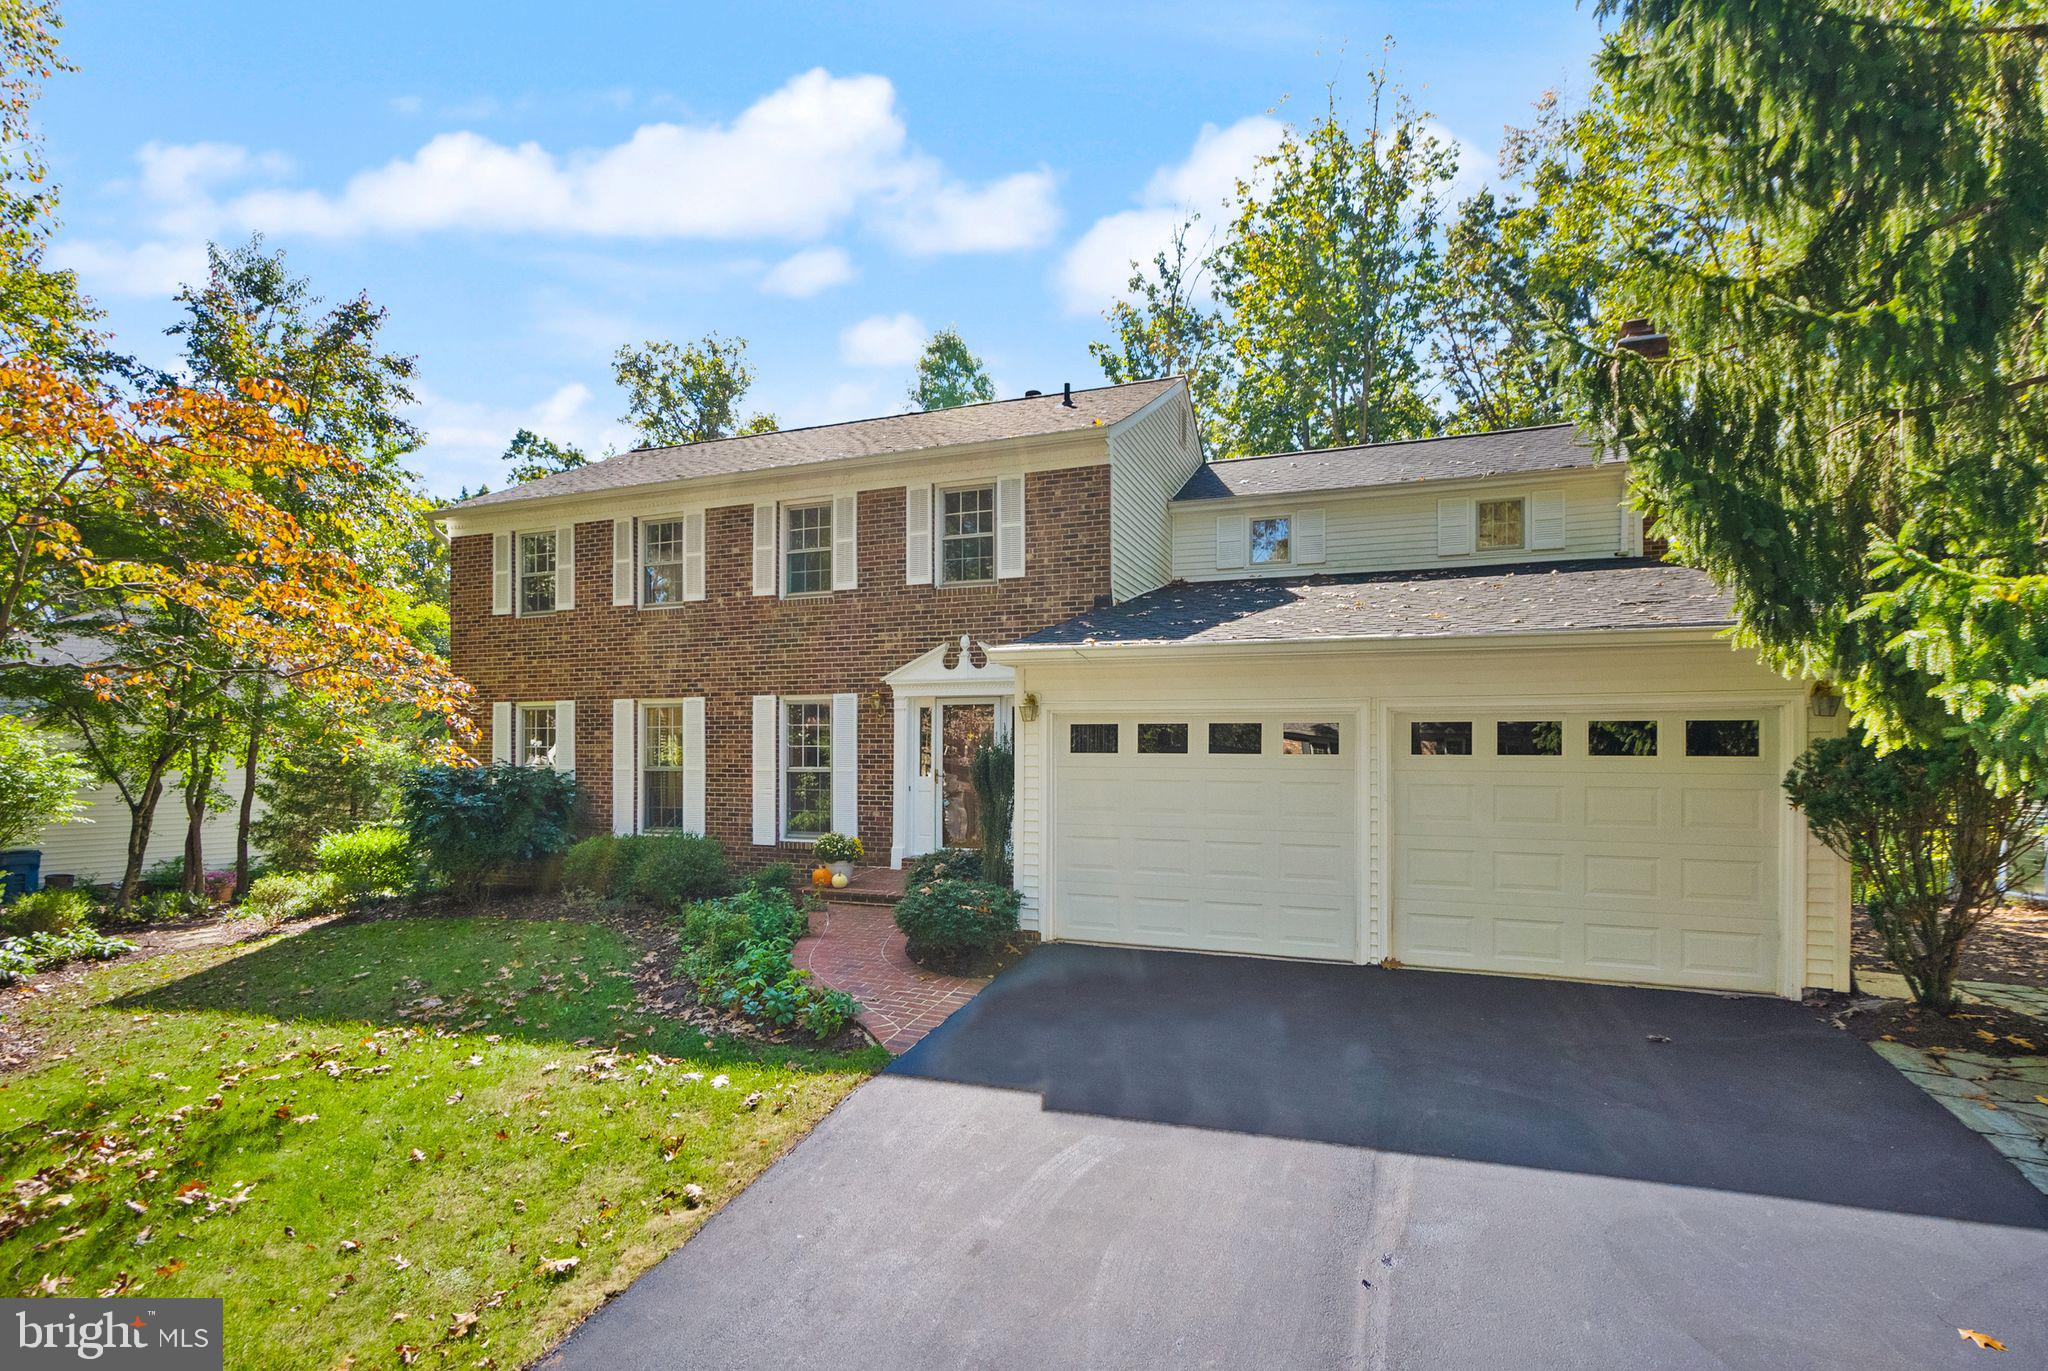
column 525, row 187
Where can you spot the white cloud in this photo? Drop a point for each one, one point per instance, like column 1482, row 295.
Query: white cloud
column 808, row 272
column 845, row 400
column 149, row 268
column 883, row 340
column 466, row 438
column 1096, row 269
column 818, row 152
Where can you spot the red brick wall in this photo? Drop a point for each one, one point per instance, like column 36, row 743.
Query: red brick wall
column 733, row 644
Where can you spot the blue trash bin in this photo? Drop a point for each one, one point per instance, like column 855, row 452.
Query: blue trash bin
column 21, row 870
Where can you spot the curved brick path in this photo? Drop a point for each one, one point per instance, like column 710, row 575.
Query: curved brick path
column 858, row 948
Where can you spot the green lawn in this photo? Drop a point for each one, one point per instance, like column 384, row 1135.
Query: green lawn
column 365, row 1134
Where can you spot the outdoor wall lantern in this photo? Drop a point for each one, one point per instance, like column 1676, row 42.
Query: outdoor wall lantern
column 1825, row 702
column 1027, row 708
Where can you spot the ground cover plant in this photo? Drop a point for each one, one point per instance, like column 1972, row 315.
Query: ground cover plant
column 429, row 1141
column 737, row 953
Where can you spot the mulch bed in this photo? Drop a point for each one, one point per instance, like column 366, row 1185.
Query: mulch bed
column 2011, row 946
column 1975, row 1028
column 986, row 965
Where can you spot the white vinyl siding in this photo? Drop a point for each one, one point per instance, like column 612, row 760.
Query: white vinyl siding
column 94, row 846
column 1151, row 456
column 1397, row 529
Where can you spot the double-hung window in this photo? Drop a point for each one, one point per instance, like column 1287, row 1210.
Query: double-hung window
column 1501, row 525
column 806, row 768
column 807, row 550
column 537, row 572
column 536, row 735
column 661, row 562
column 967, row 535
column 1272, row 539
column 661, row 767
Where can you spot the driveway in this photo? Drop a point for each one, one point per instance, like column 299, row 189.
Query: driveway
column 1138, row 1159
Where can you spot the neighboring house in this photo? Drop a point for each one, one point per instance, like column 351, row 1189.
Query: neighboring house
column 93, row 847
column 1422, row 700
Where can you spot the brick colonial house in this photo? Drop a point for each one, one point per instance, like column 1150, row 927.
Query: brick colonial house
column 1423, row 700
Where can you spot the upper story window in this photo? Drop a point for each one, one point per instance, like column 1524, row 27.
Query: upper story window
column 967, row 535
column 807, row 550
column 1271, row 539
column 1502, row 525
column 537, row 572
column 662, row 543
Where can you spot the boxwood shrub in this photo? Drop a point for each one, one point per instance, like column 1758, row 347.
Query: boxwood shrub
column 669, row 871
column 373, row 860
column 948, row 921
column 947, row 864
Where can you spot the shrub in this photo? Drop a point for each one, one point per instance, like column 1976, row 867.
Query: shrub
column 39, row 783
column 163, row 906
column 948, row 920
column 838, row 847
column 33, row 952
column 776, row 876
column 471, row 825
column 284, row 895
column 994, row 772
column 672, row 870
column 1929, row 840
column 947, row 864
column 46, row 911
column 589, row 865
column 373, row 860
column 168, row 874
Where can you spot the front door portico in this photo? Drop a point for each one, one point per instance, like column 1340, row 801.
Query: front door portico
column 947, row 701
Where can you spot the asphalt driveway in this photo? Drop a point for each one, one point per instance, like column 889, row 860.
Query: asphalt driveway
column 1137, row 1159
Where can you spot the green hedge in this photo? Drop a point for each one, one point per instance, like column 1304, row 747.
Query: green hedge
column 49, row 910
column 667, row 870
column 373, row 860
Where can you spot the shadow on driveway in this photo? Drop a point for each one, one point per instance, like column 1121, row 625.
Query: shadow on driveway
column 1751, row 1095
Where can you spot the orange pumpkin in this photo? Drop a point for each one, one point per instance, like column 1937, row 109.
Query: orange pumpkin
column 821, row 877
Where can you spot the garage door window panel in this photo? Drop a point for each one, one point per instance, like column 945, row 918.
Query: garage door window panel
column 1440, row 738
column 1529, row 738
column 1162, row 739
column 1309, row 740
column 1083, row 739
column 1723, row 738
column 1621, row 738
column 1236, row 740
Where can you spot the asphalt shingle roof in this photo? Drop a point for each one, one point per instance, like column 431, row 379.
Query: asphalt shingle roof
column 1031, row 417
column 1465, row 602
column 1507, row 452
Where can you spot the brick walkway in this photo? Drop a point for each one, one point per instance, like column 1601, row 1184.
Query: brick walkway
column 858, row 948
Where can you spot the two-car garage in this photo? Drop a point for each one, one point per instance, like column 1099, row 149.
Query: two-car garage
column 1624, row 842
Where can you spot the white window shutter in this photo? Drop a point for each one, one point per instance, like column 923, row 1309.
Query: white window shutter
column 693, row 764
column 1010, row 527
column 1231, row 536
column 625, row 768
column 565, row 736
column 501, row 573
column 565, row 567
column 764, row 549
column 846, row 763
column 693, row 555
column 1546, row 519
column 766, row 822
column 622, row 561
column 845, row 542
column 1308, row 538
column 917, row 535
column 1453, row 527
column 501, row 732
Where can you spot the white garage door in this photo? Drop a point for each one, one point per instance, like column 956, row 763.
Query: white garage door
column 1627, row 845
column 1222, row 834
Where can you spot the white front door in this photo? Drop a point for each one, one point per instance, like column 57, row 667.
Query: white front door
column 1221, row 833
column 1625, row 844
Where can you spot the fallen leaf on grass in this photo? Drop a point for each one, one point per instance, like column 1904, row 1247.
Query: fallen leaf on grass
column 1983, row 1340
column 351, row 1245
column 407, row 1354
column 170, row 1268
column 418, row 1155
column 557, row 1266
column 462, row 1325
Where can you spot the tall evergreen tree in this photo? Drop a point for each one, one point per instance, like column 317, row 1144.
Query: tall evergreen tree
column 1840, row 219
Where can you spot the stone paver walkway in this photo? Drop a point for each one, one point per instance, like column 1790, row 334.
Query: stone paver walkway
column 858, row 948
column 2003, row 1098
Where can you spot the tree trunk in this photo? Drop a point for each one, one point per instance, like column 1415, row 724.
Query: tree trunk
column 198, row 787
column 141, row 817
column 250, row 754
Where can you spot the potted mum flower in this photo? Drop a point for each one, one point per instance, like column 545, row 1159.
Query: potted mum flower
column 838, row 851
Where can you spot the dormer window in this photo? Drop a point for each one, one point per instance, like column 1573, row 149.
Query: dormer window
column 1271, row 540
column 1502, row 525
